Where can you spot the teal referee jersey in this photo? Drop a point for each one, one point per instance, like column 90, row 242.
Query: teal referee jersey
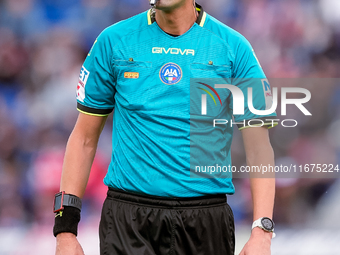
column 145, row 76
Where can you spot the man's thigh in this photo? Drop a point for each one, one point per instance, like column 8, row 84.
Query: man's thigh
column 129, row 228
column 203, row 231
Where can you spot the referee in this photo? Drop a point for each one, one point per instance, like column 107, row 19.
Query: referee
column 141, row 69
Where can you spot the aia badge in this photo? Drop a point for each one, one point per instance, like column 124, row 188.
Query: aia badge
column 170, row 73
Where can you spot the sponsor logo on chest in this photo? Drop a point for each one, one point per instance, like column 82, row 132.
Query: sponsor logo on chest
column 173, row 51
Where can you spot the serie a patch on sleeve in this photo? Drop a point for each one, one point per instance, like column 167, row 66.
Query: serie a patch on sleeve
column 83, row 76
column 267, row 93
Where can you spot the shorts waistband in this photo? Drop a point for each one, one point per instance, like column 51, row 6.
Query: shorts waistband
column 165, row 201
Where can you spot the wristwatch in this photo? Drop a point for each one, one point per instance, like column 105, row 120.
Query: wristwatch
column 61, row 199
column 264, row 223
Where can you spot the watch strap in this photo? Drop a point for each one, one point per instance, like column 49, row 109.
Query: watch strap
column 72, row 200
column 258, row 223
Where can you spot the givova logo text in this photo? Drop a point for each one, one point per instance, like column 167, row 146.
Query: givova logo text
column 174, row 51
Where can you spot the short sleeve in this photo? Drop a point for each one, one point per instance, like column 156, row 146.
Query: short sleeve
column 247, row 73
column 96, row 85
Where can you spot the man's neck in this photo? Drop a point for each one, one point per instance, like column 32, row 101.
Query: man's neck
column 177, row 21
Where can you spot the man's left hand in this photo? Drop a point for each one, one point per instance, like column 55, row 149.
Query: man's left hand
column 258, row 244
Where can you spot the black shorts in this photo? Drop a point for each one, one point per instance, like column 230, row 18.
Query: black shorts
column 145, row 225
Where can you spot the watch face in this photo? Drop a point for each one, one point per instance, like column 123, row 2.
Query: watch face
column 267, row 224
column 58, row 199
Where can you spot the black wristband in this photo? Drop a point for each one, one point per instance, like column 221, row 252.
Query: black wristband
column 67, row 221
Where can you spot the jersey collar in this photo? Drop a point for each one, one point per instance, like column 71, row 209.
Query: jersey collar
column 202, row 15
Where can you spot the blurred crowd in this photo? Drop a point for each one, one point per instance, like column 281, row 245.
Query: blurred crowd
column 44, row 42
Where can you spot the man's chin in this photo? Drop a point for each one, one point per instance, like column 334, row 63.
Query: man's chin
column 166, row 5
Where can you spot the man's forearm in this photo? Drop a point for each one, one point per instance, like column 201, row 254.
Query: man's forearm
column 263, row 193
column 77, row 165
column 80, row 151
column 260, row 152
column 262, row 189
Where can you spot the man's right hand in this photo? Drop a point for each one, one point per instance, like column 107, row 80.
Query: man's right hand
column 67, row 244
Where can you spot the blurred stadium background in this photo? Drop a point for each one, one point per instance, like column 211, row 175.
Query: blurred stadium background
column 42, row 46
